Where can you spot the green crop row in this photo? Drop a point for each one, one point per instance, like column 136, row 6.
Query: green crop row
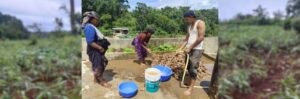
column 246, row 51
column 48, row 68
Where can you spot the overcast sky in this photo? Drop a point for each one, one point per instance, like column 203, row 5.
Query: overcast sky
column 45, row 11
column 229, row 8
column 39, row 11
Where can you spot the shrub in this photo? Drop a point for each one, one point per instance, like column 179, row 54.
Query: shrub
column 296, row 24
column 287, row 24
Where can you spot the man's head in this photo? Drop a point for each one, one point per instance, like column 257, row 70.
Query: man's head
column 189, row 17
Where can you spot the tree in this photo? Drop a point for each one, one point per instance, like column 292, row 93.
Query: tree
column 127, row 20
column 36, row 28
column 113, row 8
column 287, row 24
column 72, row 16
column 278, row 15
column 141, row 13
column 296, row 24
column 59, row 24
column 293, row 8
column 167, row 20
column 210, row 17
column 12, row 28
column 261, row 14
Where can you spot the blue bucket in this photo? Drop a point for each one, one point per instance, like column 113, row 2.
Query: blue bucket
column 128, row 89
column 166, row 72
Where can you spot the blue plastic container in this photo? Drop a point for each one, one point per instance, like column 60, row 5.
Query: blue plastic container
column 166, row 72
column 128, row 89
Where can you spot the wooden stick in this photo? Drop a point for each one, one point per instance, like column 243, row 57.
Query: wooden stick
column 184, row 73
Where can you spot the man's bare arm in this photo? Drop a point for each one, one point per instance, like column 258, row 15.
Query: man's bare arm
column 183, row 44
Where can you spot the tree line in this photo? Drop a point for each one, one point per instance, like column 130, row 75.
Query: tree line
column 260, row 16
column 166, row 21
column 13, row 28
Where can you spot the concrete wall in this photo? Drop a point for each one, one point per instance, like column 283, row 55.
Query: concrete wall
column 210, row 43
column 122, row 43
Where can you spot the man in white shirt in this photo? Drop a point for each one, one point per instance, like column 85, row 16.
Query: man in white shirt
column 193, row 45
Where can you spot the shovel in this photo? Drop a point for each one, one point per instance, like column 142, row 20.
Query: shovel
column 184, row 73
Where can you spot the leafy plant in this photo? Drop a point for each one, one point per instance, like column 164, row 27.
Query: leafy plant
column 253, row 52
column 128, row 50
column 43, row 70
column 237, row 80
column 290, row 88
column 165, row 47
column 296, row 24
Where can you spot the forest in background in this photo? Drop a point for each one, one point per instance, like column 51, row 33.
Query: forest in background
column 167, row 21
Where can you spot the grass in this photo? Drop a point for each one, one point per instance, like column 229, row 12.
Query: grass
column 164, row 48
column 47, row 68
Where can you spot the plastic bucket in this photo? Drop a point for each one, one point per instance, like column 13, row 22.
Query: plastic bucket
column 152, row 79
column 166, row 72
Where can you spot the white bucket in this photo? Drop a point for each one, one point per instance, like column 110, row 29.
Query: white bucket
column 152, row 79
column 152, row 74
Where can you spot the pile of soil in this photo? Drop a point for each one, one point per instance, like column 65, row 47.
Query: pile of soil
column 177, row 63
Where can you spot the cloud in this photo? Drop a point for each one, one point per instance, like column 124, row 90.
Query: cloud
column 39, row 11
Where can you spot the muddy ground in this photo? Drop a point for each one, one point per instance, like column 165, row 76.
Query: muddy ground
column 128, row 70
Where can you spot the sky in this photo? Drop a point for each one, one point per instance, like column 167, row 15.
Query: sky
column 39, row 11
column 229, row 8
column 45, row 11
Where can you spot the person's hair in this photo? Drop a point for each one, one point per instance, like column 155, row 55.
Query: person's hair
column 189, row 14
column 150, row 30
column 91, row 15
column 87, row 17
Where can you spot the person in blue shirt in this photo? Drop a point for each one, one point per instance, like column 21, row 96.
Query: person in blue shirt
column 95, row 51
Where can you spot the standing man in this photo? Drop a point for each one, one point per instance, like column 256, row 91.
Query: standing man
column 193, row 46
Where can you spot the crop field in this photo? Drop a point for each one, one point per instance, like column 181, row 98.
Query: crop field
column 40, row 68
column 259, row 62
